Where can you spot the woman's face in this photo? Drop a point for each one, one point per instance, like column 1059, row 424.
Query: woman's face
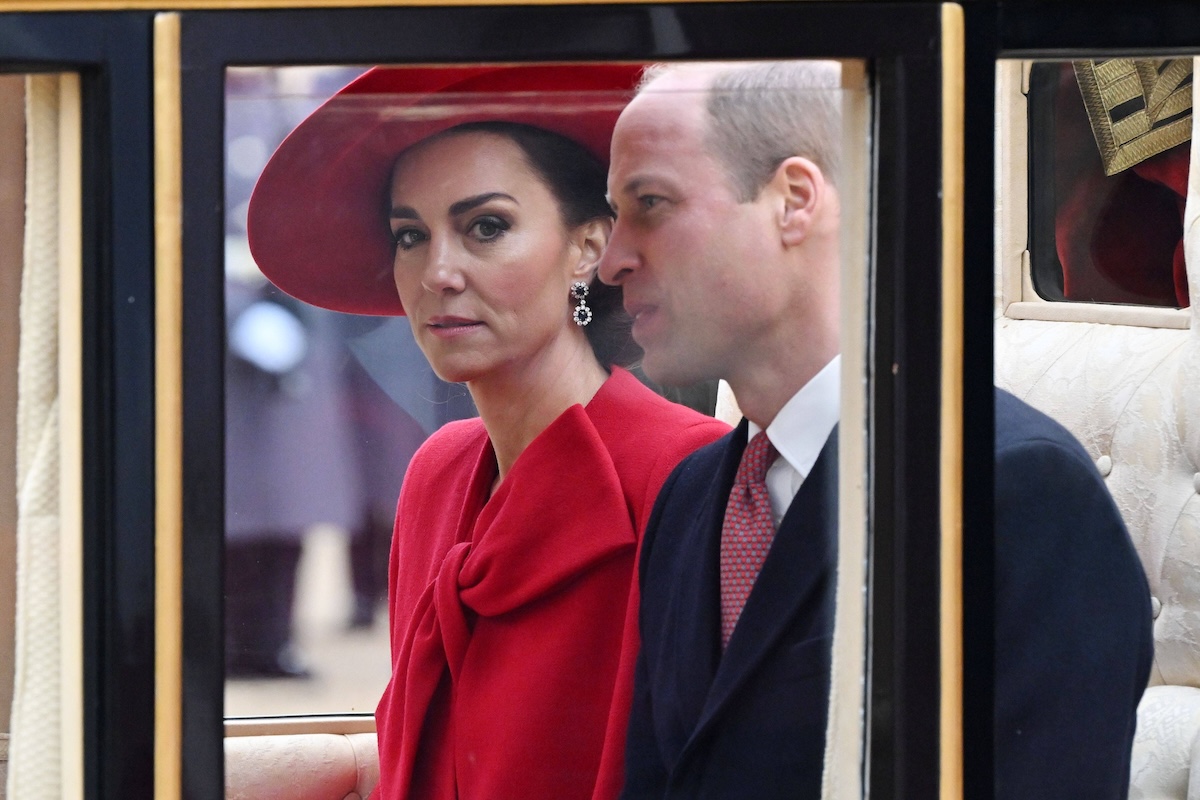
column 483, row 260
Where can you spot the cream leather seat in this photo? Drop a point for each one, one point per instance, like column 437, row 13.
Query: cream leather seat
column 305, row 766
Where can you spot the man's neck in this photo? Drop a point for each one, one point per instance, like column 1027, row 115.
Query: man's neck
column 763, row 386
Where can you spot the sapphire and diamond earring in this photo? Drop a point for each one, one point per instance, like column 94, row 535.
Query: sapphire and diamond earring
column 582, row 314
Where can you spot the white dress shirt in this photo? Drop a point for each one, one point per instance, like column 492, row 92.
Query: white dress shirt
column 798, row 433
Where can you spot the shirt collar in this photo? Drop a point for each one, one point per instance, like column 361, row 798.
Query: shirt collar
column 802, row 426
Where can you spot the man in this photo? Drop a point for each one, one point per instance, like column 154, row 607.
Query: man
column 724, row 180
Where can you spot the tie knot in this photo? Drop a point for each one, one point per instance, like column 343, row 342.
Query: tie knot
column 756, row 458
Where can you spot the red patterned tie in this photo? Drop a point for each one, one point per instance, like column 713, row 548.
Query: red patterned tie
column 747, row 532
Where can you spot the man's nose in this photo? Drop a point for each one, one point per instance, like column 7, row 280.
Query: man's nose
column 620, row 259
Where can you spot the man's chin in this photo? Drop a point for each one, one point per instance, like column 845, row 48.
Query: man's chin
column 668, row 369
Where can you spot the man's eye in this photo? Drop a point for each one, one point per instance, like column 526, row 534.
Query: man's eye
column 408, row 238
column 649, row 201
column 486, row 229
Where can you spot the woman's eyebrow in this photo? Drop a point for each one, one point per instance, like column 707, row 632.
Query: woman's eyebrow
column 404, row 212
column 463, row 206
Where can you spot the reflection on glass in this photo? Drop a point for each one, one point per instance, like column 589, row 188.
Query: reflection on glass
column 1110, row 144
column 323, row 412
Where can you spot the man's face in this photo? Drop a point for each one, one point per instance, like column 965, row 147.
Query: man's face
column 697, row 266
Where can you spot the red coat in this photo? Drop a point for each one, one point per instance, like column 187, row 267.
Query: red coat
column 514, row 619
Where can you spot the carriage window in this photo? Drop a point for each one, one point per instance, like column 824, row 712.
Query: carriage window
column 285, row 354
column 1109, row 150
column 325, row 409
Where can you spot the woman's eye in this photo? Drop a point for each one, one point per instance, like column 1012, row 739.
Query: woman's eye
column 408, row 238
column 486, row 229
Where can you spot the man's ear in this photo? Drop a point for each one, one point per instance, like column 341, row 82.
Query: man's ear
column 589, row 240
column 800, row 187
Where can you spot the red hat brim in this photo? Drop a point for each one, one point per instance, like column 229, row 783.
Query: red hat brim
column 317, row 222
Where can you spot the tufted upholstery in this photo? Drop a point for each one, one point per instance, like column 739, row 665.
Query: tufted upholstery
column 1131, row 394
column 1167, row 749
column 307, row 766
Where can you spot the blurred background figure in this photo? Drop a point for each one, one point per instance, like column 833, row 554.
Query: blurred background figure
column 323, row 412
column 289, row 465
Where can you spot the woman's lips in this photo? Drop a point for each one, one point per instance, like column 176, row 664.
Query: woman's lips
column 450, row 327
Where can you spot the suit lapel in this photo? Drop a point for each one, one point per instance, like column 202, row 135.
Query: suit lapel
column 802, row 556
column 698, row 617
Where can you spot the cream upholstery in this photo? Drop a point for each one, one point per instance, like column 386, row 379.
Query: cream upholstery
column 1167, row 748
column 308, row 766
column 1131, row 394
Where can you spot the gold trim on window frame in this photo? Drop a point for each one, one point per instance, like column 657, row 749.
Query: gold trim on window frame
column 168, row 407
column 951, row 439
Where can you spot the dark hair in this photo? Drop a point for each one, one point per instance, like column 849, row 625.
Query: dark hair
column 578, row 180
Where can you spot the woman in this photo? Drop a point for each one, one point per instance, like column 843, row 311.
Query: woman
column 512, row 578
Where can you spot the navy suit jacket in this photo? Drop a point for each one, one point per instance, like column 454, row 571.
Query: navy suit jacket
column 1074, row 639
column 749, row 723
column 1073, row 631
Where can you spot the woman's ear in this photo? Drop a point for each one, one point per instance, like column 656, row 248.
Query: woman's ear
column 800, row 187
column 590, row 239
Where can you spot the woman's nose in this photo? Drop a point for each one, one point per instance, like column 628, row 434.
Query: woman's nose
column 444, row 270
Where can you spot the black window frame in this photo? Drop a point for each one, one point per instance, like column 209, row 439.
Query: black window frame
column 902, row 44
column 1043, row 245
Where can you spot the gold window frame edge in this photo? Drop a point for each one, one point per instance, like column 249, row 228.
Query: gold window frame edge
column 950, row 455
column 168, row 407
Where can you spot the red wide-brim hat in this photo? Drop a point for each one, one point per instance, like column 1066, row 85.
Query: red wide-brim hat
column 318, row 218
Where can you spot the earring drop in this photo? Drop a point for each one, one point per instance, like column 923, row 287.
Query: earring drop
column 582, row 314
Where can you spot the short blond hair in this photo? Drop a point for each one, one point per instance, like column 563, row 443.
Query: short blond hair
column 761, row 113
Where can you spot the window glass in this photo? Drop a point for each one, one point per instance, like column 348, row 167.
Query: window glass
column 1110, row 144
column 325, row 409
column 1109, row 152
column 309, row 518
column 323, row 412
